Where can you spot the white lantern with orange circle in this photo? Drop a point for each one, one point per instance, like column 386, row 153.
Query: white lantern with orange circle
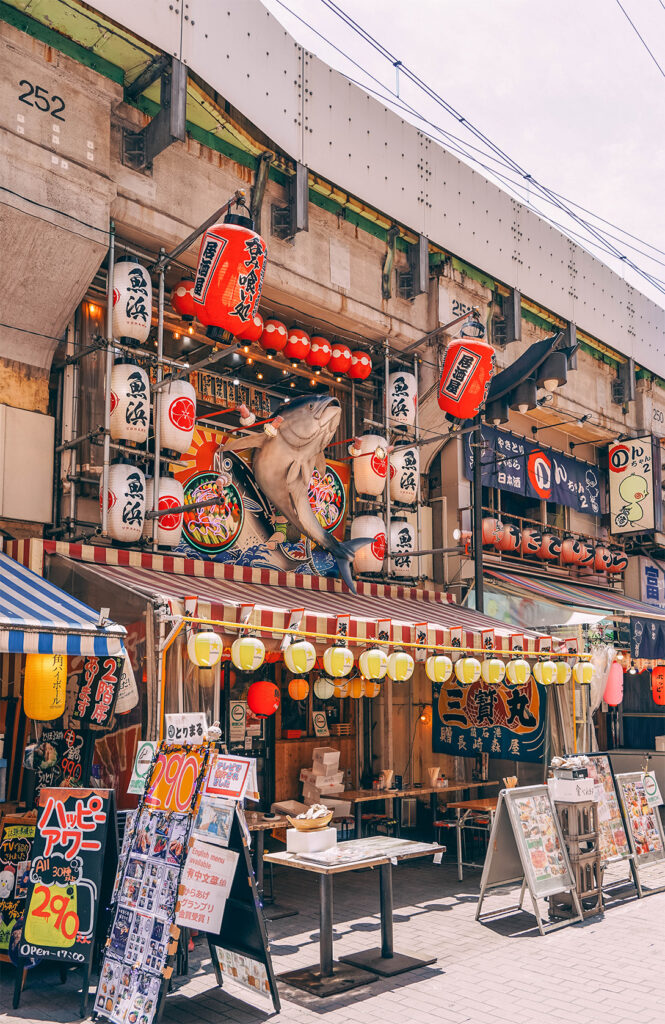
column 545, row 672
column 178, row 416
column 492, row 671
column 370, row 465
column 248, row 653
column 370, row 557
column 438, row 668
column 205, row 648
column 169, row 525
column 400, row 666
column 337, row 661
column 373, row 663
column 467, row 671
column 518, row 672
column 300, row 657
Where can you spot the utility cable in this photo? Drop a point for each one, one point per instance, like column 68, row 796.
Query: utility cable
column 640, row 36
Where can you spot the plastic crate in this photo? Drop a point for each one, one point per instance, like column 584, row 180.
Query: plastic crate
column 579, row 821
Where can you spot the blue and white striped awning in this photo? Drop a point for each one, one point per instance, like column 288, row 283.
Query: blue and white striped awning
column 38, row 618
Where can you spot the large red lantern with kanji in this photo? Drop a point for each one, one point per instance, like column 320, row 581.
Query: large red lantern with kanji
column 467, row 371
column 182, row 299
column 492, row 530
column 340, row 360
column 229, row 276
column 361, row 366
column 320, row 351
column 572, row 551
column 274, row 336
column 509, row 539
column 550, row 547
column 253, row 330
column 619, row 561
column 658, row 684
column 263, row 698
column 298, row 344
column 531, row 541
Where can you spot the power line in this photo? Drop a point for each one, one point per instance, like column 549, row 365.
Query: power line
column 640, row 36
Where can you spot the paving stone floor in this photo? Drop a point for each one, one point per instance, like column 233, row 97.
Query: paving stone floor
column 608, row 970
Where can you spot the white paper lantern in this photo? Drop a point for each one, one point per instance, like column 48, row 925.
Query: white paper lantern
column 169, row 527
column 324, row 688
column 518, row 672
column 492, row 671
column 337, row 661
column 371, row 465
column 402, row 398
column 373, row 663
column 130, row 403
column 402, row 543
column 563, row 673
column 545, row 672
column 369, row 558
column 248, row 653
column 132, row 301
column 404, row 470
column 205, row 648
column 438, row 668
column 178, row 416
column 583, row 672
column 400, row 666
column 467, row 670
column 300, row 657
column 126, row 502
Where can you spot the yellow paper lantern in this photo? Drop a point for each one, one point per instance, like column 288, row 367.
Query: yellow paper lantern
column 298, row 689
column 45, row 686
column 324, row 688
column 300, row 657
column 400, row 666
column 467, row 670
column 372, row 687
column 563, row 672
column 247, row 653
column 357, row 688
column 342, row 688
column 205, row 648
column 493, row 671
column 545, row 672
column 438, row 668
column 518, row 672
column 373, row 663
column 583, row 672
column 337, row 661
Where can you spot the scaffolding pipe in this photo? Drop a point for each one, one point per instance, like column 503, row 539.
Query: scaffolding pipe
column 416, row 425
column 157, row 404
column 165, row 257
column 107, row 383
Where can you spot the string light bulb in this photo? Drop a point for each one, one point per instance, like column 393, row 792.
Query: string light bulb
column 190, row 330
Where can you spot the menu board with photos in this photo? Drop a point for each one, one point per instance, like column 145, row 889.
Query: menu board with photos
column 17, row 832
column 540, row 832
column 644, row 824
column 612, row 838
column 62, row 757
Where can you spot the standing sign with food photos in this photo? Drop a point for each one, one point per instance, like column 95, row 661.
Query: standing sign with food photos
column 645, row 829
column 526, row 845
column 17, row 832
column 612, row 838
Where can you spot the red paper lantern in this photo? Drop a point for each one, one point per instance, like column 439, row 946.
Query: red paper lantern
column 619, row 561
column 531, row 541
column 602, row 559
column 658, row 684
column 297, row 345
column 550, row 547
column 263, row 698
column 361, row 366
column 587, row 553
column 274, row 336
column 253, row 330
column 510, row 539
column 571, row 551
column 182, row 299
column 320, row 351
column 467, row 371
column 229, row 275
column 492, row 530
column 613, row 694
column 340, row 360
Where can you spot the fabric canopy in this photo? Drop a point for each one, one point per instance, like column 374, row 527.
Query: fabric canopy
column 37, row 617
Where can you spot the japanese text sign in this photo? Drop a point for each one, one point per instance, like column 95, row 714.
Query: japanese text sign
column 98, row 687
column 502, row 721
column 16, row 835
column 190, row 727
column 206, row 882
column 634, row 486
column 228, row 776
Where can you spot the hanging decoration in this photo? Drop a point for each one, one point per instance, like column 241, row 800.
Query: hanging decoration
column 563, row 673
column 619, row 561
column 130, row 402
column 373, row 663
column 132, row 302
column 372, row 687
column 252, row 330
column 587, row 553
column 467, row 371
column 324, row 688
column 342, row 688
column 298, row 689
column 467, row 671
column 298, row 344
column 248, row 653
column 402, row 399
column 613, row 692
column 518, row 672
column 263, row 698
column 182, row 300
column 492, row 671
column 229, row 276
column 361, row 366
column 545, row 672
column 320, row 352
column 571, row 550
column 338, row 661
column 402, row 543
column 531, row 541
column 404, row 472
column 658, row 684
column 178, row 416
column 126, row 502
column 300, row 657
column 370, row 464
column 583, row 673
column 492, row 531
column 602, row 559
column 44, row 686
column 340, row 358
column 357, row 687
column 205, row 648
column 171, row 496
column 510, row 538
column 550, row 547
column 400, row 666
column 438, row 668
column 369, row 559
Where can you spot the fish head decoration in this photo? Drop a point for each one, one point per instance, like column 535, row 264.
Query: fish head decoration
column 309, row 422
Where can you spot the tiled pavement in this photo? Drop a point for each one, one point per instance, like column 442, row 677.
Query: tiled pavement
column 605, row 971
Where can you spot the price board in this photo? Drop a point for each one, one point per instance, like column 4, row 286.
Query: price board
column 174, row 779
column 17, row 832
column 62, row 757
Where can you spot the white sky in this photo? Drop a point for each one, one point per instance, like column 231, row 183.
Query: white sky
column 565, row 88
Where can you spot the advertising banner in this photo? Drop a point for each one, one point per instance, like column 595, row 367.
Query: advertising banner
column 634, row 485
column 17, row 832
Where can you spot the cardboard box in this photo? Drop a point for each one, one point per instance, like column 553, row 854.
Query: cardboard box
column 310, row 842
column 660, row 743
column 325, row 781
column 311, row 794
column 342, row 808
column 327, row 755
column 323, row 768
column 572, row 790
column 292, row 807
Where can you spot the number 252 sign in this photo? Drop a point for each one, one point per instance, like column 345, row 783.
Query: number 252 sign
column 173, row 781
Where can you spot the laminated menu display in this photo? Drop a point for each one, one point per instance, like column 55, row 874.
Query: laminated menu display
column 645, row 828
column 612, row 838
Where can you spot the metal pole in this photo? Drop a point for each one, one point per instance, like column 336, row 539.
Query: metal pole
column 165, row 257
column 326, row 926
column 418, row 494
column 107, row 385
column 386, row 901
column 386, row 404
column 478, row 516
column 157, row 402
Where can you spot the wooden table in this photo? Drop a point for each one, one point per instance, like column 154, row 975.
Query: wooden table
column 259, row 825
column 464, row 809
column 331, row 976
column 361, row 796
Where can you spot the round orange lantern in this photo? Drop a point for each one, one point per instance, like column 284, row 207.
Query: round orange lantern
column 587, row 553
column 492, row 531
column 182, row 299
column 658, row 684
column 263, row 698
column 467, row 371
column 297, row 345
column 229, row 275
column 550, row 547
column 531, row 541
column 602, row 559
column 45, row 686
column 340, row 359
column 298, row 689
column 274, row 336
column 361, row 366
column 510, row 538
column 320, row 351
column 619, row 560
column 571, row 550
column 253, row 330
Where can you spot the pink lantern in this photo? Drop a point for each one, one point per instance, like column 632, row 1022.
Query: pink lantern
column 613, row 694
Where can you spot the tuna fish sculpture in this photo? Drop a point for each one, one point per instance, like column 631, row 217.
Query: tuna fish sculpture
column 286, row 455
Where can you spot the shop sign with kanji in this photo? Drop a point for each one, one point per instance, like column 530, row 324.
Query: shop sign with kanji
column 97, row 692
column 502, row 721
column 206, row 882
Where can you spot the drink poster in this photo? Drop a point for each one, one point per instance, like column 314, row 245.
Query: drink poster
column 644, row 824
column 175, row 778
column 74, row 834
column 612, row 838
column 540, row 833
column 17, row 832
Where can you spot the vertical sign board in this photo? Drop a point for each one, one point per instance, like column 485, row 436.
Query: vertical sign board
column 17, row 832
column 634, row 485
column 645, row 828
column 612, row 838
column 526, row 845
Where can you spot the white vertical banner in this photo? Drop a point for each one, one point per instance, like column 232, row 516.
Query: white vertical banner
column 293, row 621
column 421, row 631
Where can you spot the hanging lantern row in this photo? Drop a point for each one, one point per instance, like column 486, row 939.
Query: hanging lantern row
column 297, row 345
column 549, row 547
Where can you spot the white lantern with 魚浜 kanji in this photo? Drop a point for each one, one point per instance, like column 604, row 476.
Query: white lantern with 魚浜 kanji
column 178, row 416
column 370, row 464
column 126, row 502
column 130, row 403
column 402, row 399
column 402, row 544
column 169, row 526
column 132, row 301
column 369, row 558
column 404, row 470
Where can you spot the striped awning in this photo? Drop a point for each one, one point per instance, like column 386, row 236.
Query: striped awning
column 37, row 617
column 573, row 594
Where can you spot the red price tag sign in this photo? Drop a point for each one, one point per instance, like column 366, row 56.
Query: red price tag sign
column 173, row 781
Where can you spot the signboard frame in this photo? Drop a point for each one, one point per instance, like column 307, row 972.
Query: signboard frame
column 639, row 860
column 22, row 822
column 639, row 459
